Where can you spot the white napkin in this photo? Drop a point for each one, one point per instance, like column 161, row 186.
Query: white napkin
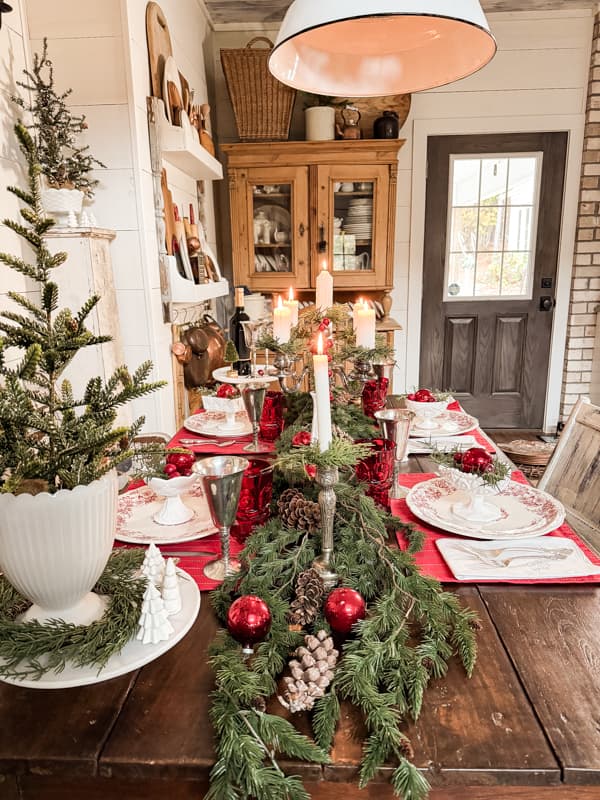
column 542, row 558
column 442, row 443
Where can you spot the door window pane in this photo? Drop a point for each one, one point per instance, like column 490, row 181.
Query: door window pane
column 492, row 221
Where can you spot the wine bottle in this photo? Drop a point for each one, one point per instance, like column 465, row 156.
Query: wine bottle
column 236, row 334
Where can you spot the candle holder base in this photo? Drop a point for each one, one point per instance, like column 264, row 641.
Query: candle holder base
column 326, row 478
column 326, row 574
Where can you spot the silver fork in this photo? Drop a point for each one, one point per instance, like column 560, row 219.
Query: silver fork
column 198, row 442
column 492, row 557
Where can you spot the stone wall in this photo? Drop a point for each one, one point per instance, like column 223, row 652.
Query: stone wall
column 585, row 284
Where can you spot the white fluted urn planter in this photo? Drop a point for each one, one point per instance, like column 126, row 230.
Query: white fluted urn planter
column 59, row 203
column 54, row 547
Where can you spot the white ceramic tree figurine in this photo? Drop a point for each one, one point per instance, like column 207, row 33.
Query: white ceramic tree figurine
column 171, row 593
column 153, row 566
column 154, row 625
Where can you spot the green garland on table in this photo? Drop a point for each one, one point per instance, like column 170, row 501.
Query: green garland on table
column 28, row 650
column 412, row 630
column 346, row 416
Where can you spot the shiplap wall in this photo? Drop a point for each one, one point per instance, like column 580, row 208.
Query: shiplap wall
column 538, row 80
column 12, row 61
column 99, row 49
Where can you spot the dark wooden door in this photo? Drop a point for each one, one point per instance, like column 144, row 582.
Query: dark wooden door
column 493, row 353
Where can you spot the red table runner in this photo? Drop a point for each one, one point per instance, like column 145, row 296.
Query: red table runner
column 430, row 560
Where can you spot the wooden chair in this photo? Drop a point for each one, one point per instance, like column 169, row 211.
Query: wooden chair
column 573, row 472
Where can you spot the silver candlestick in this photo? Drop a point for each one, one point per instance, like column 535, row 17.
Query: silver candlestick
column 253, row 396
column 289, row 380
column 221, row 478
column 394, row 424
column 326, row 478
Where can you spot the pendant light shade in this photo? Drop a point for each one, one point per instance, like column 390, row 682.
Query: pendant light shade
column 354, row 48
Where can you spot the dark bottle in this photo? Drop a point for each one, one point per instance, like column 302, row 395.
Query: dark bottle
column 387, row 126
column 236, row 334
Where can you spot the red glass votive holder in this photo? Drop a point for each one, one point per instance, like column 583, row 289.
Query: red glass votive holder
column 373, row 396
column 271, row 421
column 377, row 469
column 255, row 499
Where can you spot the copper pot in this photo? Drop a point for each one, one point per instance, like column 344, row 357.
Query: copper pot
column 207, row 342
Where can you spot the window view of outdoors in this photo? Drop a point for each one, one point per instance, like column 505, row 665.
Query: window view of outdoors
column 492, row 221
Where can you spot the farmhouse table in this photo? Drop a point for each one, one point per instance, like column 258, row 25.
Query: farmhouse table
column 525, row 726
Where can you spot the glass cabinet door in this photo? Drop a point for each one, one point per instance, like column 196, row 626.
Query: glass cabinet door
column 355, row 212
column 277, row 227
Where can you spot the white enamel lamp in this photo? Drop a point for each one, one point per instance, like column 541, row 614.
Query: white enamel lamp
column 353, row 48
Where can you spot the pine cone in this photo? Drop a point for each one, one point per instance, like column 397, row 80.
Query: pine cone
column 310, row 592
column 297, row 512
column 312, row 672
column 340, row 433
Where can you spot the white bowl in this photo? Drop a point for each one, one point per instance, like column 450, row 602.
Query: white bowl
column 173, row 511
column 474, row 505
column 425, row 412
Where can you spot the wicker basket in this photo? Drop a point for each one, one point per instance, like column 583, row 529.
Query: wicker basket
column 262, row 105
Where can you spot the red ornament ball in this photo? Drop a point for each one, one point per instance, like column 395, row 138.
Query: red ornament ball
column 423, row 396
column 343, row 608
column 301, row 439
column 475, row 459
column 181, row 461
column 248, row 620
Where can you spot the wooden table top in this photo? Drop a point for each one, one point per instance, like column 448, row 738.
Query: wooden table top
column 527, row 721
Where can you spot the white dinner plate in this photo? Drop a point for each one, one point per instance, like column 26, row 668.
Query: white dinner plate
column 133, row 656
column 214, row 423
column 448, row 423
column 526, row 512
column 135, row 523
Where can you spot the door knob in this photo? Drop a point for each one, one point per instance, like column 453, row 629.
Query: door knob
column 547, row 303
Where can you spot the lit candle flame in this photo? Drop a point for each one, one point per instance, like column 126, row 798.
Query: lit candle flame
column 291, row 294
column 320, row 344
column 324, row 266
column 279, row 303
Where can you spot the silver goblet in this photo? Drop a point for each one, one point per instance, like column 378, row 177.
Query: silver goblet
column 253, row 396
column 221, row 478
column 394, row 424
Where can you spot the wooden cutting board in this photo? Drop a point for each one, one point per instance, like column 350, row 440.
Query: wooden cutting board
column 159, row 46
column 169, row 216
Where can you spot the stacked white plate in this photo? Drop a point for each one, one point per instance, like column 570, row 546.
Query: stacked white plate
column 359, row 220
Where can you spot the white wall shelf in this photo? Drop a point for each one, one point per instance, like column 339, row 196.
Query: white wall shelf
column 177, row 289
column 181, row 147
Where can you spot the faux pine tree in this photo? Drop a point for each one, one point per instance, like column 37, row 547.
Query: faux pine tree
column 64, row 163
column 50, row 440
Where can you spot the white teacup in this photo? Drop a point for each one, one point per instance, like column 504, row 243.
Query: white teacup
column 347, row 187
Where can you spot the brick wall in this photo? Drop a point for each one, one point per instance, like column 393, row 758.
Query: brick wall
column 585, row 284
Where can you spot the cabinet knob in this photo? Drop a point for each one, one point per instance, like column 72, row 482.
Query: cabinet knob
column 301, row 229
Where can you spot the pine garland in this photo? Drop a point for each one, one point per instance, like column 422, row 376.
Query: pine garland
column 341, row 453
column 412, row 630
column 28, row 650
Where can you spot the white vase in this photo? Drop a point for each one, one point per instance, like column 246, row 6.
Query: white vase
column 319, row 123
column 54, row 547
column 59, row 203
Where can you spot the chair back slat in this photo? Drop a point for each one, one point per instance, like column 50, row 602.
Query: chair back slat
column 573, row 473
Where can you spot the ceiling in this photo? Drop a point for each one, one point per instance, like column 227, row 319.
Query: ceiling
column 272, row 11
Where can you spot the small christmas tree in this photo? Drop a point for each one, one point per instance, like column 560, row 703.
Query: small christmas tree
column 230, row 356
column 46, row 434
column 154, row 626
column 170, row 591
column 63, row 162
column 153, row 566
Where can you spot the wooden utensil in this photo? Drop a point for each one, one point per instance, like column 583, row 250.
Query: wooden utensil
column 175, row 103
column 168, row 210
column 159, row 46
column 186, row 95
column 205, row 137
